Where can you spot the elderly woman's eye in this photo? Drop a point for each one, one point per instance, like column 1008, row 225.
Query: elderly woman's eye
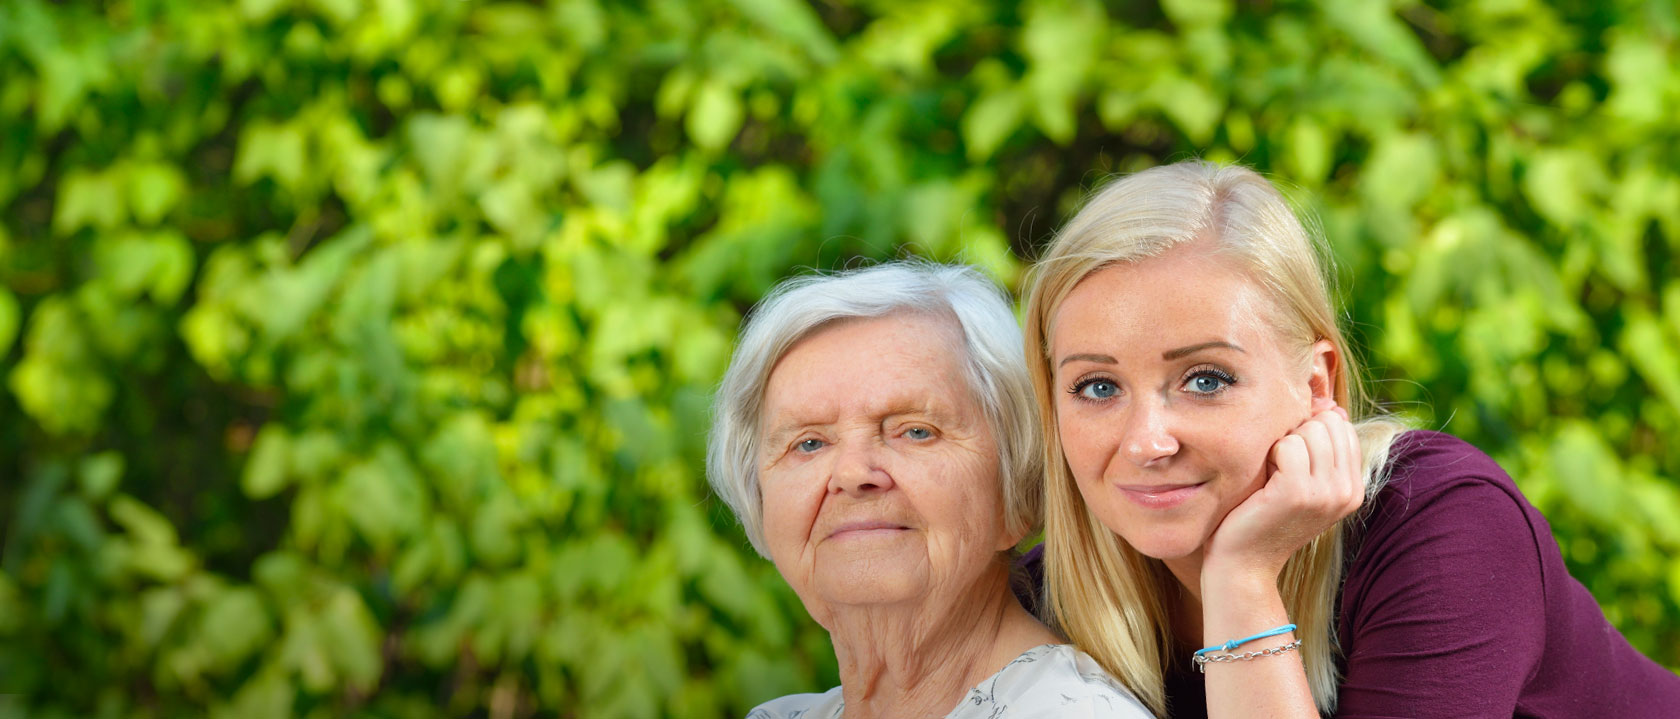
column 918, row 433
column 1096, row 389
column 810, row 445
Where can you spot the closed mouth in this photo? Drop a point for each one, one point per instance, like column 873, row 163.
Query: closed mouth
column 1156, row 488
column 861, row 528
column 1159, row 496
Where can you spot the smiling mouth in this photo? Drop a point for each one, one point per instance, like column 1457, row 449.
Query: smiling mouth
column 1163, row 496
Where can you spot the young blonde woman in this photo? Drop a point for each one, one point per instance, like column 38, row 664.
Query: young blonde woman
column 1233, row 531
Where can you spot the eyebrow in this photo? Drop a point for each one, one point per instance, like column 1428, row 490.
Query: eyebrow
column 895, row 408
column 1192, row 349
column 1104, row 359
column 780, row 432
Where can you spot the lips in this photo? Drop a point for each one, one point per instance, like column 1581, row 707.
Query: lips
column 1159, row 496
column 866, row 528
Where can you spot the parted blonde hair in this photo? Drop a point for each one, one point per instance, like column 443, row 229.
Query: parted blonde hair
column 1112, row 601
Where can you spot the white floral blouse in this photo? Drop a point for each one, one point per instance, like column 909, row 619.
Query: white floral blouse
column 1052, row 680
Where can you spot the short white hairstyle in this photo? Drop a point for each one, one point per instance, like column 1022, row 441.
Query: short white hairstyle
column 991, row 358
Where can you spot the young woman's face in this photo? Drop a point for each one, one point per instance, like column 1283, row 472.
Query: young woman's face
column 1173, row 388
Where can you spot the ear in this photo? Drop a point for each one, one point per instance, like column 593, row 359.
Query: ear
column 1009, row 537
column 1323, row 364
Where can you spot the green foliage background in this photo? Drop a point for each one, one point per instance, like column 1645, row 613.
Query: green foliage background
column 356, row 353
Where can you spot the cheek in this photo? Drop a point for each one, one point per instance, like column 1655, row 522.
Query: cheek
column 790, row 507
column 1244, row 443
column 1070, row 432
column 963, row 498
column 1083, row 445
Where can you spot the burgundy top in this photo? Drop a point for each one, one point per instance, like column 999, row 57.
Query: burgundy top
column 1457, row 604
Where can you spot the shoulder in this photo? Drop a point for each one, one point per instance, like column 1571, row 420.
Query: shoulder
column 1436, row 477
column 1421, row 461
column 827, row 705
column 1449, row 534
column 1053, row 680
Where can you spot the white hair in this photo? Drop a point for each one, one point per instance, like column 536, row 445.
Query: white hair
column 991, row 358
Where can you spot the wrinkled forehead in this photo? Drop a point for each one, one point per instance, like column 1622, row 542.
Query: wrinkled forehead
column 936, row 332
column 908, row 361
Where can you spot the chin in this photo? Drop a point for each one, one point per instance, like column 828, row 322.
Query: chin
column 1165, row 549
column 884, row 588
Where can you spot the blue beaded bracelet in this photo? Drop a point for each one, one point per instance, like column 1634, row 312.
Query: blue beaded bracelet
column 1234, row 643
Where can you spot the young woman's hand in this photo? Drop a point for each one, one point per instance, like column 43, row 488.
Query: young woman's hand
column 1315, row 480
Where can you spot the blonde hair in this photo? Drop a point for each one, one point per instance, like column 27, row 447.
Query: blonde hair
column 1122, row 619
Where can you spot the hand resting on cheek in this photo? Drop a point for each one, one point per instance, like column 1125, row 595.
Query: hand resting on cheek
column 1313, row 480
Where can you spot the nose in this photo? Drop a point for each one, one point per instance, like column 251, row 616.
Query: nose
column 1148, row 438
column 858, row 469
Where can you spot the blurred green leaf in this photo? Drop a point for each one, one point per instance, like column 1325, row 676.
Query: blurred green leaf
column 235, row 625
column 1580, row 457
column 715, row 115
column 795, row 20
column 271, row 150
column 100, row 474
column 10, row 315
column 267, row 471
column 142, row 522
column 153, row 190
column 990, row 121
column 88, row 199
column 1654, row 353
column 350, row 636
column 57, row 381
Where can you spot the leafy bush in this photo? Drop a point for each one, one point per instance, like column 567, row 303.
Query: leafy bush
column 356, row 355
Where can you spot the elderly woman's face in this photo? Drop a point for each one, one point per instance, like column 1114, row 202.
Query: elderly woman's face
column 1174, row 386
column 878, row 471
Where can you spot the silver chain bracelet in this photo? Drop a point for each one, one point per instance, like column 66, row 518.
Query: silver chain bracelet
column 1202, row 660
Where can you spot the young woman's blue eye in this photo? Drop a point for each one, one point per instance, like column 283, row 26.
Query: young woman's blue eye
column 810, row 445
column 1097, row 389
column 918, row 433
column 1209, row 382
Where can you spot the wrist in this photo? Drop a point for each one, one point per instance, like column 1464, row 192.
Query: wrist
column 1238, row 579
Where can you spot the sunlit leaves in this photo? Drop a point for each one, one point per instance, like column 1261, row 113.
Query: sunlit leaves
column 368, row 344
column 330, row 641
column 89, row 199
column 1655, row 352
column 157, row 264
column 235, row 625
column 990, row 120
column 1060, row 41
column 271, row 150
column 150, row 547
column 59, row 381
column 715, row 115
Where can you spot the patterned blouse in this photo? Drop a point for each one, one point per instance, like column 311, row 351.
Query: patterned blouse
column 1051, row 680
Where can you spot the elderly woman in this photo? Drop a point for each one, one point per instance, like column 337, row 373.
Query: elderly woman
column 1203, row 474
column 874, row 434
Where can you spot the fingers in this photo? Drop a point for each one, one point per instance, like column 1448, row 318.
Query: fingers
column 1335, row 473
column 1348, row 476
column 1321, row 449
column 1290, row 457
column 1335, row 426
column 1356, row 464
